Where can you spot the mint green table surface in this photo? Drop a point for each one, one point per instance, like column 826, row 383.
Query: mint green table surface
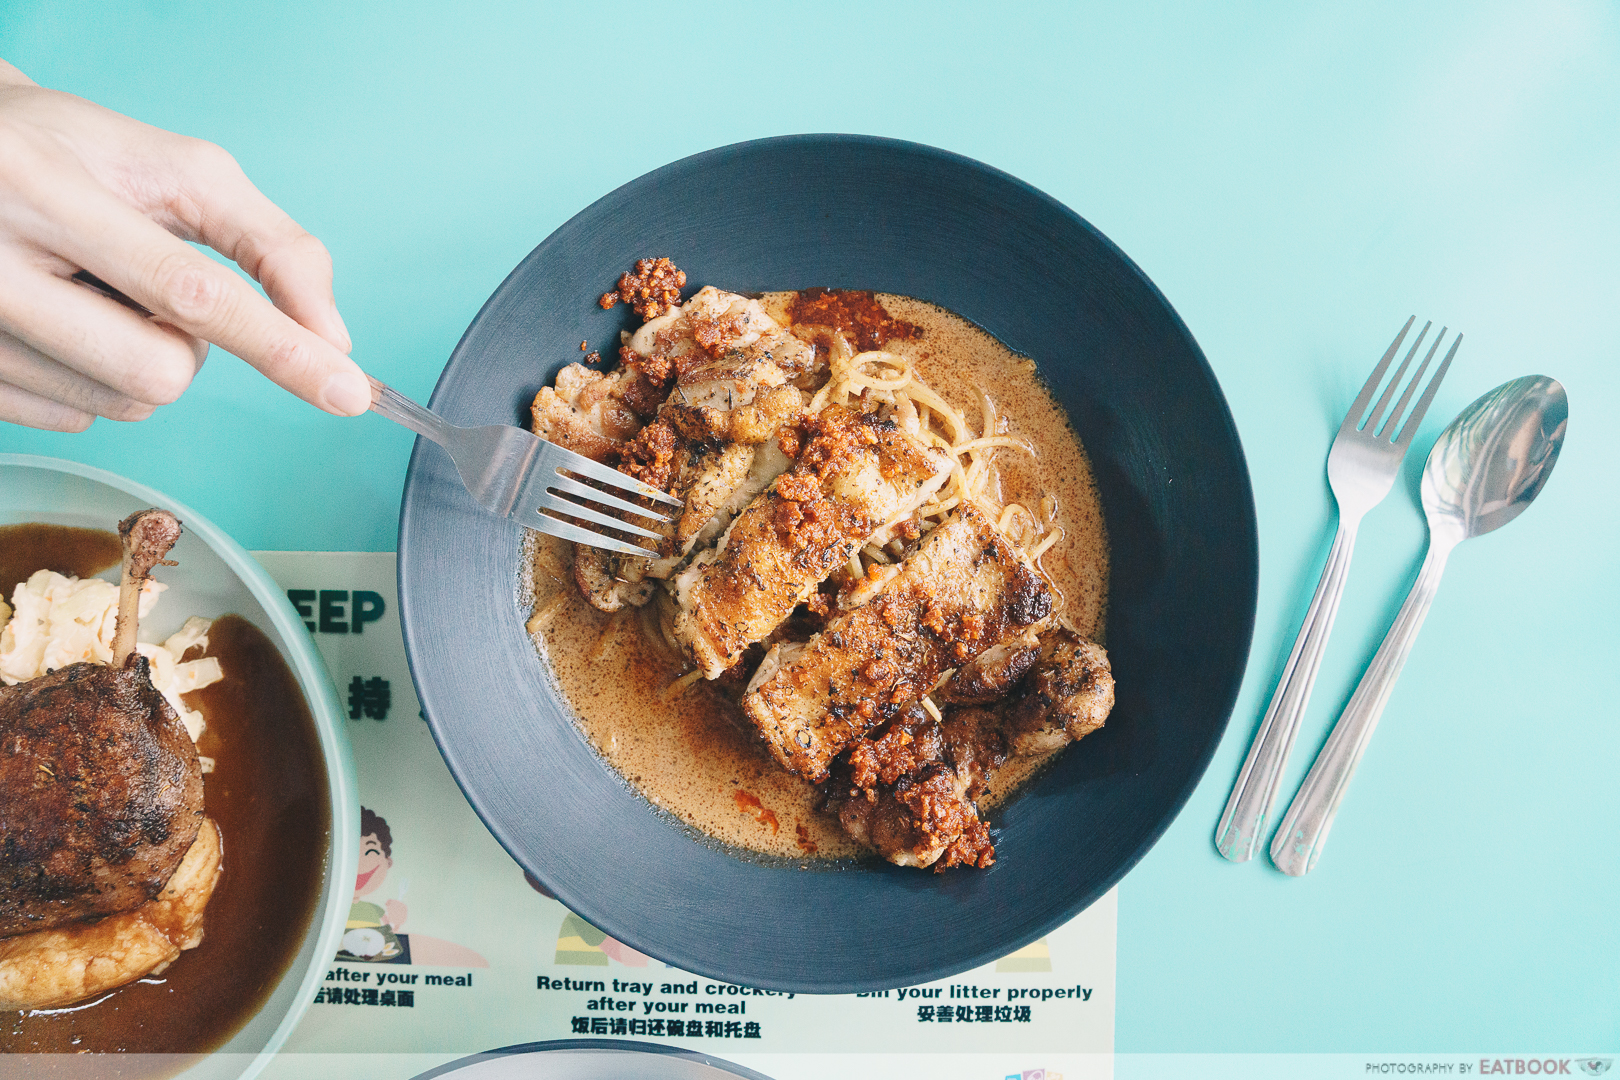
column 1296, row 179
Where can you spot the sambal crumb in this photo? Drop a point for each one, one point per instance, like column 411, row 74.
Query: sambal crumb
column 855, row 312
column 653, row 289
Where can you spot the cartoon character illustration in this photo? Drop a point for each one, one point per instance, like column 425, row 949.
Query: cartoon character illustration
column 373, row 934
column 370, row 932
column 580, row 944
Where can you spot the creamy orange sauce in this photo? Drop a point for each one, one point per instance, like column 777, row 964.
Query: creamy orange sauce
column 693, row 754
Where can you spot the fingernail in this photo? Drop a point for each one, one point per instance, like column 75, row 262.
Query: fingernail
column 347, row 393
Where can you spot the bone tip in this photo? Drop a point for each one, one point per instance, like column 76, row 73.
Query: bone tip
column 148, row 535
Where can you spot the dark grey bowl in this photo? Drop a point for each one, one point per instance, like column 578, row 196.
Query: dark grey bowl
column 851, row 212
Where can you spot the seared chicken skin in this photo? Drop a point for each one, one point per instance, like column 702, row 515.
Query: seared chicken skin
column 856, row 477
column 962, row 590
column 975, row 745
column 593, row 412
column 907, row 790
column 716, row 373
column 1067, row 695
column 991, row 675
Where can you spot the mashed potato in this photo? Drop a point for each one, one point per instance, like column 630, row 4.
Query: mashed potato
column 54, row 620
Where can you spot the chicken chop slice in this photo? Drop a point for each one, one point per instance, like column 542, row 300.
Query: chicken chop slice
column 901, row 795
column 1068, row 694
column 709, row 441
column 857, row 477
column 960, row 591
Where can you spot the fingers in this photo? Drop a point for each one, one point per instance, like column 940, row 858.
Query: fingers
column 10, row 76
column 99, row 339
column 194, row 293
column 31, row 410
column 219, row 206
column 25, row 368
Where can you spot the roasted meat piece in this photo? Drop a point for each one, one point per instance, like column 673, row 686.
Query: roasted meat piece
column 724, row 365
column 100, row 795
column 900, row 795
column 1068, row 694
column 47, row 968
column 731, row 363
column 717, row 346
column 992, row 674
column 100, row 786
column 974, row 745
column 593, row 412
column 857, row 476
column 962, row 590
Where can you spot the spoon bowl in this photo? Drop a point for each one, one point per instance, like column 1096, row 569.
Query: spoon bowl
column 1493, row 460
column 1484, row 469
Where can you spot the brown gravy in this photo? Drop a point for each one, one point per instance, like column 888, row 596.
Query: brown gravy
column 268, row 793
column 693, row 756
column 29, row 548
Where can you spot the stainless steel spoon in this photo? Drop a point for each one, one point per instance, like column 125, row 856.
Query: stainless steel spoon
column 1484, row 469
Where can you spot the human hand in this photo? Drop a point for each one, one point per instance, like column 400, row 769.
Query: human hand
column 86, row 189
column 394, row 914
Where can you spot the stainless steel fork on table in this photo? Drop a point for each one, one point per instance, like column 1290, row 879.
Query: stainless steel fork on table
column 522, row 477
column 1361, row 468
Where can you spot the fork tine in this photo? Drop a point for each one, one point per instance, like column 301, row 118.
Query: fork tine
column 563, row 458
column 1428, row 395
column 1411, row 385
column 556, row 505
column 571, row 486
column 1352, row 419
column 1389, row 391
column 564, row 531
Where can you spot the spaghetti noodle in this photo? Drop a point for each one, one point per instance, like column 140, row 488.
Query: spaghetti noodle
column 890, row 380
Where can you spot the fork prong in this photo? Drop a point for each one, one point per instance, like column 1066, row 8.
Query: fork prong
column 564, row 531
column 1352, row 419
column 569, row 485
column 556, row 504
column 1428, row 395
column 1399, row 410
column 1395, row 381
column 562, row 458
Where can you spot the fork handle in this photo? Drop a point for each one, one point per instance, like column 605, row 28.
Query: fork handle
column 1298, row 843
column 386, row 401
column 1241, row 830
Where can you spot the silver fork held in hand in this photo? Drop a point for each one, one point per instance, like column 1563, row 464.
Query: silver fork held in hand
column 538, row 484
column 1361, row 470
column 386, row 401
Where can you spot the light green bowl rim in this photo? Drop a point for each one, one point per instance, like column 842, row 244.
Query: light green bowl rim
column 319, row 690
